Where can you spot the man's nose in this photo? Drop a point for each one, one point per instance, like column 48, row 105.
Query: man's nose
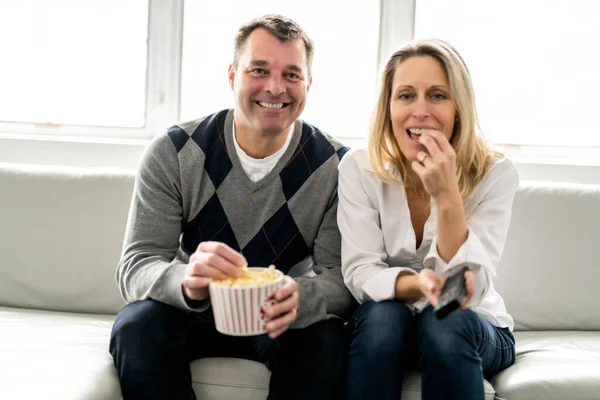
column 275, row 85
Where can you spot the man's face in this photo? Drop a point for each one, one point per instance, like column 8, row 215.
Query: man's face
column 270, row 84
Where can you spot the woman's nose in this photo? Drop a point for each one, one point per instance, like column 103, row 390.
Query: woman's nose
column 421, row 109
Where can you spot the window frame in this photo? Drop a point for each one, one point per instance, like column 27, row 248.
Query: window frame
column 163, row 71
column 163, row 89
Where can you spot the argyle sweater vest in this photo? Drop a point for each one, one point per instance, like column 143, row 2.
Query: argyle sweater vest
column 272, row 221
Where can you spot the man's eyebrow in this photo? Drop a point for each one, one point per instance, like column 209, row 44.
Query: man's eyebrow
column 295, row 68
column 259, row 63
column 264, row 63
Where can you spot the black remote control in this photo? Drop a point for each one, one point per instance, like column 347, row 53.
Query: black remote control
column 452, row 295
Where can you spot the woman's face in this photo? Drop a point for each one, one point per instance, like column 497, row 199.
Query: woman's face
column 420, row 100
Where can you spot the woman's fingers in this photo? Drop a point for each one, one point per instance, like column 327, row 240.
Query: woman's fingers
column 469, row 289
column 430, row 143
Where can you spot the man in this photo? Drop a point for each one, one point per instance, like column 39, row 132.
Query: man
column 251, row 185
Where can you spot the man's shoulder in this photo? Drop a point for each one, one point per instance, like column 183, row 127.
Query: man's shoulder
column 195, row 136
column 200, row 129
column 315, row 140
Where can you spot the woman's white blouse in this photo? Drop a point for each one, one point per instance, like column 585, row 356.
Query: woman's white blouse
column 378, row 240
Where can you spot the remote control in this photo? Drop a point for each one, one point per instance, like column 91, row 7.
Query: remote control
column 452, row 295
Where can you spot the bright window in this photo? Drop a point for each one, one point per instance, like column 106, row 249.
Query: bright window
column 73, row 62
column 534, row 65
column 344, row 67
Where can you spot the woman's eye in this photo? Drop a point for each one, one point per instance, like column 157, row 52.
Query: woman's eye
column 404, row 96
column 439, row 96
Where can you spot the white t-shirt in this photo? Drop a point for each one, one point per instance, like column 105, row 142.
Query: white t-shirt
column 258, row 168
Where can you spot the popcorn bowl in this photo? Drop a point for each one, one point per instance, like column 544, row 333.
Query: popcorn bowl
column 236, row 309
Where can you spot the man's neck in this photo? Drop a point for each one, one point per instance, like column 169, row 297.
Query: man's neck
column 257, row 145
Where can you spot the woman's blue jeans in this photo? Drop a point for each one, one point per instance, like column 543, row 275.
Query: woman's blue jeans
column 453, row 354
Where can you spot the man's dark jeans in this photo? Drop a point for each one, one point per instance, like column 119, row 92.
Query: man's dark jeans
column 454, row 354
column 153, row 343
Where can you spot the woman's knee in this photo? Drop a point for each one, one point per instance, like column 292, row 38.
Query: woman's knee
column 446, row 339
column 381, row 326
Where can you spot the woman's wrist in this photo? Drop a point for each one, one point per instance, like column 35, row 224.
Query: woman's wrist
column 407, row 287
column 449, row 200
column 452, row 225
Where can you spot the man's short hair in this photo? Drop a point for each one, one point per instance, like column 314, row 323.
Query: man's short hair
column 285, row 29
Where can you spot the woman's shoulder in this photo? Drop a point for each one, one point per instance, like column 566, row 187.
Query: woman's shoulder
column 503, row 167
column 502, row 175
column 355, row 161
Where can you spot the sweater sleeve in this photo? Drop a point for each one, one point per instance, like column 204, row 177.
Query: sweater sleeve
column 325, row 294
column 148, row 268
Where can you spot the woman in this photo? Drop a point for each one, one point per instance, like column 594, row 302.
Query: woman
column 428, row 197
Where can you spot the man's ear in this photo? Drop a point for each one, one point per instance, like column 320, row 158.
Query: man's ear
column 231, row 74
column 309, row 83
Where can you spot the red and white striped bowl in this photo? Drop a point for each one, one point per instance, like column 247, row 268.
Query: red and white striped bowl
column 237, row 309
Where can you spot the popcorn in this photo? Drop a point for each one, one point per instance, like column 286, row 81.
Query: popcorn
column 236, row 302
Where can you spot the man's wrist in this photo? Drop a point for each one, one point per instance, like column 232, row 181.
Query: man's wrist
column 192, row 302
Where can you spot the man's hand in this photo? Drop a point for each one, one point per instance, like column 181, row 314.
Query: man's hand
column 211, row 260
column 283, row 312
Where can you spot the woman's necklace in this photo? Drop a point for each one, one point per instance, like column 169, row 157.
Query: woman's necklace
column 421, row 195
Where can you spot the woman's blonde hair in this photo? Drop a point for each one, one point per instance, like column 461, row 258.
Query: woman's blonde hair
column 473, row 155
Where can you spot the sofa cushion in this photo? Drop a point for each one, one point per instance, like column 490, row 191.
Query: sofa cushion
column 54, row 355
column 229, row 378
column 550, row 265
column 61, row 235
column 552, row 366
column 57, row 355
column 411, row 388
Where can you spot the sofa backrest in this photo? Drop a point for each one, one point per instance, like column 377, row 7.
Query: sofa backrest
column 61, row 233
column 551, row 263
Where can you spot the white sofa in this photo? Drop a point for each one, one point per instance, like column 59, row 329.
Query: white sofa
column 61, row 232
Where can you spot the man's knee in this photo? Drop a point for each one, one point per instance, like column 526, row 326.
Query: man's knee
column 146, row 318
column 328, row 335
column 322, row 345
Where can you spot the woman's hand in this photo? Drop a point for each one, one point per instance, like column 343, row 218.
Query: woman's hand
column 437, row 171
column 469, row 289
column 437, row 166
column 430, row 283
